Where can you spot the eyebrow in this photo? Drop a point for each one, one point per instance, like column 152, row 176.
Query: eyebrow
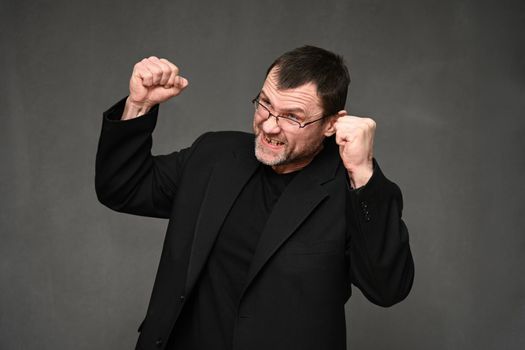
column 263, row 95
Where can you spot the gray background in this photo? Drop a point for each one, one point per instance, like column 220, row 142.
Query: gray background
column 445, row 81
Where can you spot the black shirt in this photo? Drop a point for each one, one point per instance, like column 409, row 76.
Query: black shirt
column 207, row 318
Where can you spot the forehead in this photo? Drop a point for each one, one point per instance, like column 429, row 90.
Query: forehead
column 302, row 97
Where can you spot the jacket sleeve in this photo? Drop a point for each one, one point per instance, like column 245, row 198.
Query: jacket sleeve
column 378, row 250
column 128, row 178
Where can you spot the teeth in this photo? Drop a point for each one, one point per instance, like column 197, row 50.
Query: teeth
column 273, row 142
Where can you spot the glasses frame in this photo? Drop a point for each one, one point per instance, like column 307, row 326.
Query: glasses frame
column 300, row 125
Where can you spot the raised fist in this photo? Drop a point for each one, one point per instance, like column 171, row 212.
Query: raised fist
column 153, row 81
column 355, row 137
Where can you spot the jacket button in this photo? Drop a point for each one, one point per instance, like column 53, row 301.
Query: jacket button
column 159, row 342
column 182, row 298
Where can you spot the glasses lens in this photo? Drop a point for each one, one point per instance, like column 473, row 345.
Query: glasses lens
column 283, row 121
column 261, row 110
column 289, row 122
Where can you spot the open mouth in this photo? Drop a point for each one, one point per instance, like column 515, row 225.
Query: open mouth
column 272, row 142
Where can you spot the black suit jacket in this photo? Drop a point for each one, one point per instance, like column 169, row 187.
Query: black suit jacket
column 320, row 237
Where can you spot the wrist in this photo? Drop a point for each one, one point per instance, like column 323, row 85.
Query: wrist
column 134, row 109
column 359, row 176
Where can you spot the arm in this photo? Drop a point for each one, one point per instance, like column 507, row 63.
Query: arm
column 378, row 250
column 127, row 177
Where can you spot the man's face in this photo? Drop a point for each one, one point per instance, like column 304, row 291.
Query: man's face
column 285, row 147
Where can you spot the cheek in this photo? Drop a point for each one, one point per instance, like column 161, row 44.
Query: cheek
column 294, row 144
column 306, row 144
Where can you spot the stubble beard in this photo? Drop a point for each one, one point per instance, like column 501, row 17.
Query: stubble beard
column 284, row 157
column 270, row 158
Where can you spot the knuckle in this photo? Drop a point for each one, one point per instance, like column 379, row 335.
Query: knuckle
column 155, row 69
column 165, row 61
column 166, row 69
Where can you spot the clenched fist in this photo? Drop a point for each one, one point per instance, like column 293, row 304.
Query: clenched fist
column 153, row 81
column 355, row 137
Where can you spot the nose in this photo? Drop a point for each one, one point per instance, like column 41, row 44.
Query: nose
column 270, row 125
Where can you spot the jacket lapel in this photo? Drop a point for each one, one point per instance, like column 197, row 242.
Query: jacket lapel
column 296, row 203
column 226, row 181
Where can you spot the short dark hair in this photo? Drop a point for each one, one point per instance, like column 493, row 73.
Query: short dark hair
column 310, row 64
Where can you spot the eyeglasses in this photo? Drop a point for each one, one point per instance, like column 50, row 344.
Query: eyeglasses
column 289, row 121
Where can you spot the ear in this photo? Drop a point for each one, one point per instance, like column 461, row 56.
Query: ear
column 329, row 127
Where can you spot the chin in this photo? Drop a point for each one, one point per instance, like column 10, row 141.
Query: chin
column 264, row 157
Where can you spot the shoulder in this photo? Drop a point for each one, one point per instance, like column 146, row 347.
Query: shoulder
column 227, row 138
column 217, row 143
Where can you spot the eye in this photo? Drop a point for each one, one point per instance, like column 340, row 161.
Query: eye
column 293, row 117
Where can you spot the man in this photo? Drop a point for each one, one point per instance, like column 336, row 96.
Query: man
column 262, row 246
